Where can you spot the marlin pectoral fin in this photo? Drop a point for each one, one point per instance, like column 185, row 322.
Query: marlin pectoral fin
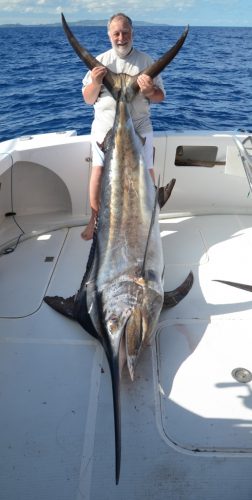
column 63, row 306
column 172, row 298
column 242, row 286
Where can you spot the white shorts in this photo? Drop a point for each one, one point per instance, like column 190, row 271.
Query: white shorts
column 98, row 155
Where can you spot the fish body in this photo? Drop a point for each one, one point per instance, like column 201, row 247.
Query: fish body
column 128, row 277
column 124, row 291
column 121, row 294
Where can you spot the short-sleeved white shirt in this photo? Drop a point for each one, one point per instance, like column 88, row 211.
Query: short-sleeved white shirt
column 105, row 105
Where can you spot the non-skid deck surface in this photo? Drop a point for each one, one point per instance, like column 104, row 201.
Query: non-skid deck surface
column 56, row 416
column 207, row 336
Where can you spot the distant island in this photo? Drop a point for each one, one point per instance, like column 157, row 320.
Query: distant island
column 87, row 22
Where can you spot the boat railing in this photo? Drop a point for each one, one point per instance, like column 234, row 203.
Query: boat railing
column 246, row 156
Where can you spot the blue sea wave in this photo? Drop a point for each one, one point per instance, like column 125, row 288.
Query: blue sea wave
column 208, row 84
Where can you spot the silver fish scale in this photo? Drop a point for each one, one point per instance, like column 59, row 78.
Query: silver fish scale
column 128, row 198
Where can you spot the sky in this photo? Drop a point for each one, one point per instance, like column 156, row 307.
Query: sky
column 174, row 12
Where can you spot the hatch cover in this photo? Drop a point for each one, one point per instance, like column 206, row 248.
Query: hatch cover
column 26, row 272
column 202, row 407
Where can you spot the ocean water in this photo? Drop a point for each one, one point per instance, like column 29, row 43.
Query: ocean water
column 208, row 84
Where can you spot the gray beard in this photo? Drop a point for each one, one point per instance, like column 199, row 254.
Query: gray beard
column 122, row 51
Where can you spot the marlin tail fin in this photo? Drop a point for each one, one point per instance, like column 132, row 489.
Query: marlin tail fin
column 172, row 298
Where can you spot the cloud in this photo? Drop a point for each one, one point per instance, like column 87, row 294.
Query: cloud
column 10, row 6
column 17, row 6
column 167, row 11
column 129, row 5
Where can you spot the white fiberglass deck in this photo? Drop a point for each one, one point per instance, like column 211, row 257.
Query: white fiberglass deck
column 183, row 414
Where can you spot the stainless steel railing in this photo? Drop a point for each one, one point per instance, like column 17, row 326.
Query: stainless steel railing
column 246, row 157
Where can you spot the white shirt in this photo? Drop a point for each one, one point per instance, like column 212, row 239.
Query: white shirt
column 105, row 105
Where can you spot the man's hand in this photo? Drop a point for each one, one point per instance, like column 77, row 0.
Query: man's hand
column 97, row 74
column 146, row 85
column 149, row 89
column 92, row 90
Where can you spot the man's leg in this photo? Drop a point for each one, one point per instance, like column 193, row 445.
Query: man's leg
column 94, row 196
column 152, row 174
column 148, row 154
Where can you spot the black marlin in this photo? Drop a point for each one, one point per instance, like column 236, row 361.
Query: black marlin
column 121, row 294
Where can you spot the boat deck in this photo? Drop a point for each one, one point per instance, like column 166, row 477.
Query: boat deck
column 177, row 419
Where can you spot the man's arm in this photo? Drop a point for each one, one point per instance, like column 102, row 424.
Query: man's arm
column 91, row 91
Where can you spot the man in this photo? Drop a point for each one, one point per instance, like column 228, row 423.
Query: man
column 122, row 58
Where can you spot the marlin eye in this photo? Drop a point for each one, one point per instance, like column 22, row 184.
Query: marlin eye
column 114, row 319
column 113, row 323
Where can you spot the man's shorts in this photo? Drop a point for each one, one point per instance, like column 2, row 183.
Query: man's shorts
column 98, row 155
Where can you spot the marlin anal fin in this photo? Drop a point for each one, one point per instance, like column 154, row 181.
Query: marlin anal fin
column 242, row 286
column 172, row 298
column 61, row 305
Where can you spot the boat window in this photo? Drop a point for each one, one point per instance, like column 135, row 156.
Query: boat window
column 197, row 156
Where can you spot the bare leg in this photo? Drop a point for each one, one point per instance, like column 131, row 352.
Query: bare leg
column 152, row 174
column 94, row 195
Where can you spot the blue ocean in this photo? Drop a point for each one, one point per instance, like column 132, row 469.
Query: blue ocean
column 208, row 84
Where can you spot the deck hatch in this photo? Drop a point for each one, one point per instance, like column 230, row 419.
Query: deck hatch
column 197, row 156
column 24, row 278
column 202, row 407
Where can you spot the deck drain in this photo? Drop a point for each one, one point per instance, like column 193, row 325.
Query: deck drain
column 242, row 375
column 49, row 259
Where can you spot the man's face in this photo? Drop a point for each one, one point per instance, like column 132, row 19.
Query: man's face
column 120, row 35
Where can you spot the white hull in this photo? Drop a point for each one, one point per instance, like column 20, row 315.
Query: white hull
column 186, row 421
